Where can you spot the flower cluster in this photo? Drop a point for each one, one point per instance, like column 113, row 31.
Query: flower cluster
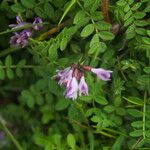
column 72, row 78
column 21, row 38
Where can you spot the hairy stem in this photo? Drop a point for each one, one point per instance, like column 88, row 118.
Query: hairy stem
column 104, row 8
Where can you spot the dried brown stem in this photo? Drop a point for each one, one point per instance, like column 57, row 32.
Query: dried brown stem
column 104, row 8
column 54, row 30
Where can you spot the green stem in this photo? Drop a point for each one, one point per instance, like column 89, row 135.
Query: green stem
column 88, row 14
column 9, row 134
column 144, row 114
column 6, row 31
column 9, row 50
column 82, row 111
column 114, row 131
column 119, row 66
column 27, row 26
column 26, row 66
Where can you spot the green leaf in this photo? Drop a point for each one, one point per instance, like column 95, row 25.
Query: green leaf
column 128, row 21
column 126, row 8
column 140, row 31
column 137, row 124
column 136, row 133
column 147, row 133
column 147, row 69
column 40, row 12
column 53, row 51
column 86, row 98
column 101, row 100
column 62, row 104
column 146, row 40
column 18, row 8
column 136, row 6
column 19, row 72
column 135, row 100
column 8, row 61
column 87, row 30
column 10, row 73
column 49, row 10
column 28, row 98
column 139, row 15
column 147, row 9
column 148, row 32
column 147, row 123
column 105, row 35
column 141, row 23
column 135, row 112
column 63, row 44
column 120, row 111
column 39, row 99
column 79, row 17
column 2, row 73
column 121, row 3
column 96, row 118
column 127, row 15
column 21, row 63
column 71, row 140
column 130, row 32
column 109, row 108
column 96, row 46
column 28, row 3
column 130, row 2
column 101, row 25
column 118, row 143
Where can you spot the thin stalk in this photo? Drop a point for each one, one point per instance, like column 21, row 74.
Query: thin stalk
column 26, row 66
column 9, row 134
column 114, row 131
column 119, row 65
column 82, row 111
column 9, row 50
column 88, row 14
column 27, row 26
column 105, row 134
column 144, row 114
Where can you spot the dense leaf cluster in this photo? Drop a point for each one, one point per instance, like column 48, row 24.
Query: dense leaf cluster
column 115, row 115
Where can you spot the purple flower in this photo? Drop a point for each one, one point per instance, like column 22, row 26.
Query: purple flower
column 102, row 73
column 37, row 24
column 72, row 90
column 64, row 77
column 21, row 38
column 83, row 87
column 20, row 23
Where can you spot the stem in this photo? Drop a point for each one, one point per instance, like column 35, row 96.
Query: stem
column 88, row 14
column 104, row 8
column 53, row 30
column 119, row 65
column 27, row 26
column 144, row 112
column 26, row 66
column 9, row 50
column 82, row 111
column 9, row 134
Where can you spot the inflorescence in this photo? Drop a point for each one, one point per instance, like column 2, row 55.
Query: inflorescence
column 21, row 38
column 72, row 78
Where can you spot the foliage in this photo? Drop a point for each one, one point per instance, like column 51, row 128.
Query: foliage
column 115, row 115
